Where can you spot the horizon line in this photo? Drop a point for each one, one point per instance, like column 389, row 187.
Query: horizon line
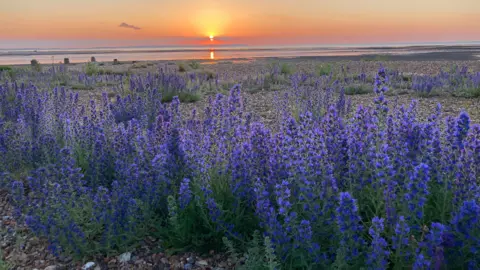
column 291, row 45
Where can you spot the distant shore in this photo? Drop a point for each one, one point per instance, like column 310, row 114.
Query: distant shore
column 390, row 49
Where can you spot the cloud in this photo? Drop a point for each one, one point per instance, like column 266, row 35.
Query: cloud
column 126, row 25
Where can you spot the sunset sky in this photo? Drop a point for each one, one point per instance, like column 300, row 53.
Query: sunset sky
column 87, row 23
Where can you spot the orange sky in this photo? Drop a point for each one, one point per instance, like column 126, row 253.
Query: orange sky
column 246, row 21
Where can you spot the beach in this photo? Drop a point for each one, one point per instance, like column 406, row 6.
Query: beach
column 258, row 99
column 418, row 53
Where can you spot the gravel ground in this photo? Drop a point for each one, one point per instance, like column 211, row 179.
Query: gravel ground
column 21, row 250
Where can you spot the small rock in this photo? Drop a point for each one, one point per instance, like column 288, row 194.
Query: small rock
column 160, row 266
column 191, row 260
column 111, row 263
column 61, row 267
column 51, row 267
column 188, row 266
column 88, row 265
column 65, row 259
column 19, row 257
column 34, row 241
column 125, row 257
column 97, row 267
column 202, row 263
column 42, row 262
column 177, row 265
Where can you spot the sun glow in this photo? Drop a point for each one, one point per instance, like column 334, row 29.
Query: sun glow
column 211, row 22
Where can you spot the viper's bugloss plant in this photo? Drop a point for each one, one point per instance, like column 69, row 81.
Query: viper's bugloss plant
column 329, row 186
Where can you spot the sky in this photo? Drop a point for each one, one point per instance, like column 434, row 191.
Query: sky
column 96, row 23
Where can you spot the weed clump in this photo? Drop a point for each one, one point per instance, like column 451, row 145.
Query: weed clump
column 91, row 68
column 35, row 65
column 184, row 97
column 286, row 69
column 5, row 68
column 181, row 68
column 359, row 89
column 324, row 70
column 468, row 92
column 194, row 64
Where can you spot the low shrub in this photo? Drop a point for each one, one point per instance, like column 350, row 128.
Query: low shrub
column 181, row 67
column 207, row 74
column 61, row 79
column 79, row 86
column 108, row 71
column 9, row 71
column 5, row 68
column 286, row 69
column 359, row 89
column 194, row 64
column 182, row 96
column 140, row 65
column 35, row 65
column 106, row 84
column 324, row 69
column 469, row 92
column 91, row 68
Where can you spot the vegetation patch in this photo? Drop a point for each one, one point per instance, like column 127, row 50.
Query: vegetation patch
column 35, row 65
column 286, row 69
column 324, row 69
column 469, row 92
column 181, row 67
column 79, row 86
column 182, row 96
column 5, row 68
column 359, row 89
column 91, row 68
column 194, row 64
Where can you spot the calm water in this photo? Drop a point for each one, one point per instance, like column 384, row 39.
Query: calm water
column 23, row 56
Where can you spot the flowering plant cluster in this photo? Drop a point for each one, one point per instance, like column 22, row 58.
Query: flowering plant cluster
column 378, row 189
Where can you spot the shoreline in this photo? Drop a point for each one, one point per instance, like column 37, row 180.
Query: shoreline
column 409, row 48
column 379, row 57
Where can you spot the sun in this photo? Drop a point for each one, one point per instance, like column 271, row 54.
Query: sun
column 211, row 37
